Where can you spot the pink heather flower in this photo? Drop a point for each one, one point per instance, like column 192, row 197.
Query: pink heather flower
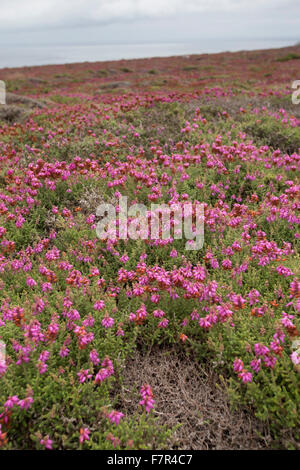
column 164, row 323
column 238, row 365
column 141, row 312
column 94, row 357
column 286, row 320
column 109, row 365
column 115, row 417
column 2, row 434
column 245, row 376
column 20, row 221
column 64, row 351
column 275, row 346
column 147, row 397
column 124, row 258
column 26, row 403
column 67, row 303
column 42, row 367
column 89, row 321
column 255, row 364
column 155, row 298
column 83, row 375
column 101, row 282
column 279, row 335
column 31, row 282
column 39, row 306
column 106, row 371
column 84, row 435
column 99, row 305
column 283, row 271
column 52, row 235
column 183, row 337
column 11, row 402
column 205, row 322
column 295, row 288
column 260, row 349
column 227, row 264
column 46, row 286
column 3, row 367
column 236, row 246
column 195, row 315
column 46, row 442
column 53, row 254
column 148, row 402
column 66, row 213
column 108, row 322
column 132, row 316
column 295, row 358
column 173, row 253
column 238, row 301
column 101, row 376
column 53, row 328
column 253, row 296
column 95, row 272
column 90, row 219
column 158, row 313
column 44, row 356
column 270, row 361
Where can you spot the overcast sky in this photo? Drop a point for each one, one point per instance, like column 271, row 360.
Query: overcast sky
column 111, row 21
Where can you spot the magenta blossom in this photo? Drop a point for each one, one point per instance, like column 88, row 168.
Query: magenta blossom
column 46, row 442
column 84, row 435
column 115, row 417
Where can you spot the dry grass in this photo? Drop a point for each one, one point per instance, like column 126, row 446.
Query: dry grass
column 18, row 108
column 189, row 395
column 233, row 104
column 11, row 114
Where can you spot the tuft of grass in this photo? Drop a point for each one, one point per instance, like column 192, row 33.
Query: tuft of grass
column 290, row 56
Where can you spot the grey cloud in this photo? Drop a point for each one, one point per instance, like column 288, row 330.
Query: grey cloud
column 36, row 14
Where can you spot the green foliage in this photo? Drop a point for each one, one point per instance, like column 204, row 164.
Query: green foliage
column 290, row 56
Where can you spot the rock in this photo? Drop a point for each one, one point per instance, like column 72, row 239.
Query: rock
column 12, row 99
column 36, row 80
column 114, row 85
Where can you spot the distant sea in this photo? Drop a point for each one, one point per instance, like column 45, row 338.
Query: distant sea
column 20, row 56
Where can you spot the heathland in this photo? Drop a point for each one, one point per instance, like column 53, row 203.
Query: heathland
column 142, row 344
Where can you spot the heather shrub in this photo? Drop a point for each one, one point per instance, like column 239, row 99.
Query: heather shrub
column 76, row 309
